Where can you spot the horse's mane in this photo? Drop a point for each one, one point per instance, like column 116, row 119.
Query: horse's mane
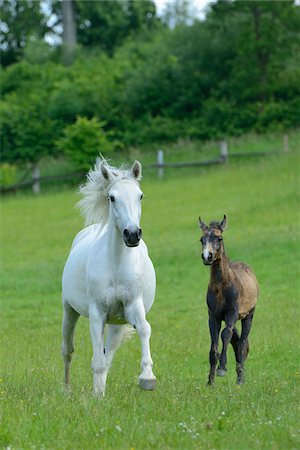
column 94, row 204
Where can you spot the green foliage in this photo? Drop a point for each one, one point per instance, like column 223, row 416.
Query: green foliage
column 235, row 72
column 84, row 140
column 108, row 24
column 8, row 174
column 21, row 22
column 260, row 198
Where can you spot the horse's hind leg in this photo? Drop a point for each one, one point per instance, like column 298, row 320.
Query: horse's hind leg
column 235, row 342
column 244, row 345
column 70, row 317
column 226, row 336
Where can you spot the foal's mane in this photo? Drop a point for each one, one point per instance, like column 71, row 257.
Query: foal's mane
column 94, row 204
column 214, row 224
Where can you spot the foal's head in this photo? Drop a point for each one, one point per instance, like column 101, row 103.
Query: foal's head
column 212, row 246
column 124, row 197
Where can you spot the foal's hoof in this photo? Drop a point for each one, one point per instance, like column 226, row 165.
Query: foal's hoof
column 147, row 385
column 66, row 390
column 221, row 372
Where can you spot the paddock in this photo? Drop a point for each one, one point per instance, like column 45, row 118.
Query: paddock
column 261, row 198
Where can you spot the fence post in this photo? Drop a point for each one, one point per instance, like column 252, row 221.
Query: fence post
column 286, row 143
column 224, row 151
column 36, row 187
column 160, row 162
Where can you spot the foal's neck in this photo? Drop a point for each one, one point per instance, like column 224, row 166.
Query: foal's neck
column 220, row 268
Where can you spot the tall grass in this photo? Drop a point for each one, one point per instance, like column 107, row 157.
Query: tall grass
column 261, row 200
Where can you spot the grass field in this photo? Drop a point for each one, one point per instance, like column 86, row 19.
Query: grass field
column 261, row 200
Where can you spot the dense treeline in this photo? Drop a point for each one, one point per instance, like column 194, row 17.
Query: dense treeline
column 133, row 80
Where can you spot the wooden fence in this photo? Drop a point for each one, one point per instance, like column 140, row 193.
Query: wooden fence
column 224, row 156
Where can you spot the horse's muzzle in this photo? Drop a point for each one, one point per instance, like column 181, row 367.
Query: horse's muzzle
column 132, row 238
column 207, row 260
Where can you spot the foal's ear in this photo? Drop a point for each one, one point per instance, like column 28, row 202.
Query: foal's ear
column 223, row 223
column 136, row 170
column 202, row 225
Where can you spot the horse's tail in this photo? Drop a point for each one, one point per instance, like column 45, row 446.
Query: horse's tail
column 116, row 335
column 128, row 332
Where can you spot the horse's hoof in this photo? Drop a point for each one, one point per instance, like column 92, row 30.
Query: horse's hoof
column 98, row 395
column 240, row 381
column 147, row 385
column 221, row 372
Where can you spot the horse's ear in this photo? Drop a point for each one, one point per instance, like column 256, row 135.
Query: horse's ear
column 202, row 225
column 223, row 223
column 105, row 172
column 136, row 170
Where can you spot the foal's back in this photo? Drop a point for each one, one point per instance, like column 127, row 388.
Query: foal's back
column 246, row 284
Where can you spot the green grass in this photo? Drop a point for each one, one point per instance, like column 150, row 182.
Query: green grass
column 261, row 200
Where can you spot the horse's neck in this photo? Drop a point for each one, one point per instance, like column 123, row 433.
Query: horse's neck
column 115, row 243
column 220, row 271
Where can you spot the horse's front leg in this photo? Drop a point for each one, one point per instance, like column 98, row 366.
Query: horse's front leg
column 135, row 315
column 99, row 367
column 214, row 328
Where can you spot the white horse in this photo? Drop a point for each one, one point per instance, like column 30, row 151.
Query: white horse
column 109, row 276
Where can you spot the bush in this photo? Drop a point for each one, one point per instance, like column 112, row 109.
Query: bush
column 84, row 140
column 8, row 174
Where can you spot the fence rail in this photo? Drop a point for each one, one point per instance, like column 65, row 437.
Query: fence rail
column 160, row 165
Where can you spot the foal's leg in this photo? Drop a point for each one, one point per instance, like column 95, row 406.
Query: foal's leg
column 135, row 315
column 70, row 317
column 235, row 342
column 244, row 346
column 97, row 322
column 214, row 328
column 226, row 335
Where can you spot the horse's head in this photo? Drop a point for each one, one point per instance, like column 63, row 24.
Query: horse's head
column 124, row 196
column 211, row 240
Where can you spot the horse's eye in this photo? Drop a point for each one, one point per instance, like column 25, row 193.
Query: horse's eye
column 112, row 198
column 141, row 197
column 201, row 240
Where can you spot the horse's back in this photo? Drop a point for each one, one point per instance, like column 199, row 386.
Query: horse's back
column 247, row 287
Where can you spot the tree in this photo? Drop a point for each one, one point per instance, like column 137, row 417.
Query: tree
column 21, row 21
column 179, row 12
column 106, row 24
column 69, row 30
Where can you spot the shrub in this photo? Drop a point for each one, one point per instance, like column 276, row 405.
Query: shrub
column 84, row 140
column 8, row 174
